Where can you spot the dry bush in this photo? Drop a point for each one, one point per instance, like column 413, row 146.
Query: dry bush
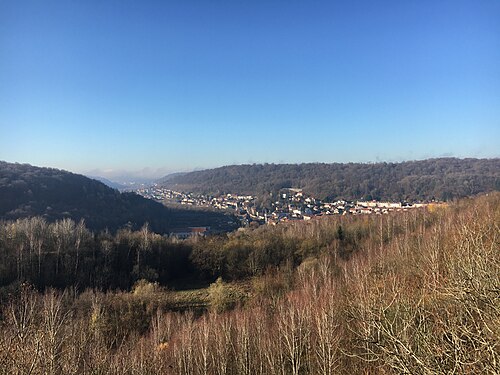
column 437, row 311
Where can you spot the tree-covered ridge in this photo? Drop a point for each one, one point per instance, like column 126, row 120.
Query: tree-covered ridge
column 444, row 179
column 27, row 191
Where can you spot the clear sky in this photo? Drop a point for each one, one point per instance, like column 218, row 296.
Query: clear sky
column 177, row 85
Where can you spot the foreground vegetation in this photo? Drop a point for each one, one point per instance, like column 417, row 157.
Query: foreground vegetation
column 414, row 293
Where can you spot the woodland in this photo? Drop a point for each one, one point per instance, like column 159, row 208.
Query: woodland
column 414, row 292
column 433, row 179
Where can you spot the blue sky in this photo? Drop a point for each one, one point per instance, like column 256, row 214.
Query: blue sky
column 122, row 85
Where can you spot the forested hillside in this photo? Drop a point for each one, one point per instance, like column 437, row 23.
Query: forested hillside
column 441, row 179
column 27, row 191
column 414, row 292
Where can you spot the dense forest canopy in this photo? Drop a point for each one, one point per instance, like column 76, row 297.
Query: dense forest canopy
column 443, row 179
column 27, row 191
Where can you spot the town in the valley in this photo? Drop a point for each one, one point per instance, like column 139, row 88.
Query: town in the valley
column 290, row 204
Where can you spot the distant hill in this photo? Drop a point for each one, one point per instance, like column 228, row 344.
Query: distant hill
column 109, row 183
column 444, row 179
column 27, row 191
column 170, row 177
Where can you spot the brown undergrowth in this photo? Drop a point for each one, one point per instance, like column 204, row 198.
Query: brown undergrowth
column 421, row 295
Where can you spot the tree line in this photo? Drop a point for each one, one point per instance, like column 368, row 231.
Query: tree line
column 442, row 179
column 67, row 254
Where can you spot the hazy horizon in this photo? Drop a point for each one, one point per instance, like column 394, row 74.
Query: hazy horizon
column 147, row 174
column 156, row 87
column 121, row 175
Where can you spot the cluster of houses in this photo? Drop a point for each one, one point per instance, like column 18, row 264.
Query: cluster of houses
column 222, row 202
column 293, row 204
column 290, row 204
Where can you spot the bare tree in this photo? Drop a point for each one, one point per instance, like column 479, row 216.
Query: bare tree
column 62, row 232
column 294, row 331
column 243, row 350
column 25, row 341
column 81, row 234
column 326, row 330
column 145, row 243
column 53, row 330
column 183, row 346
column 223, row 345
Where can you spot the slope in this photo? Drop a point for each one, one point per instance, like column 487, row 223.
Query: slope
column 27, row 191
column 444, row 179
